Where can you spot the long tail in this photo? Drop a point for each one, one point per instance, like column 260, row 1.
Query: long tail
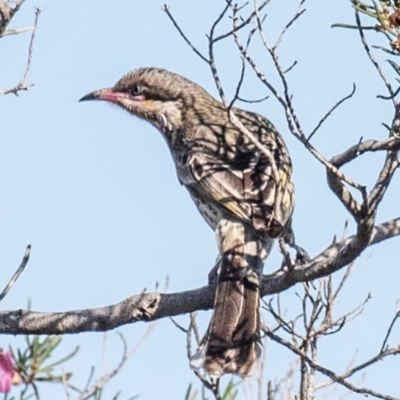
column 231, row 344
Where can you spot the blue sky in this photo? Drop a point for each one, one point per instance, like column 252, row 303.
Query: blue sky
column 94, row 190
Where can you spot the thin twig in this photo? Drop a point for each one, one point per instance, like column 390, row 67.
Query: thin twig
column 239, row 84
column 91, row 374
column 325, row 371
column 244, row 23
column 389, row 331
column 195, row 328
column 64, row 381
column 292, row 120
column 290, row 68
column 252, row 101
column 372, row 59
column 106, row 376
column 185, row 38
column 213, row 66
column 323, row 119
column 17, row 274
column 373, row 360
column 236, row 122
column 180, row 327
column 297, row 15
column 18, row 31
column 349, row 270
column 392, row 96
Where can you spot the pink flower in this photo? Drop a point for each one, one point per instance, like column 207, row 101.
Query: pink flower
column 6, row 371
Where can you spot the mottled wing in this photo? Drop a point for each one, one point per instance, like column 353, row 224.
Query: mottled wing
column 237, row 178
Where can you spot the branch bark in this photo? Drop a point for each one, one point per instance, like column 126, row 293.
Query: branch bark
column 152, row 306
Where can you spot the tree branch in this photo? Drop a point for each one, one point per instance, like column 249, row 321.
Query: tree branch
column 7, row 12
column 16, row 275
column 22, row 85
column 325, row 371
column 153, row 306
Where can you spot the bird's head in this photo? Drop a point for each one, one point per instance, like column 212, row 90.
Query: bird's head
column 153, row 94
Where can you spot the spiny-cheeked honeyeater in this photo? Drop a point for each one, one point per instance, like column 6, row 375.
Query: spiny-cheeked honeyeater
column 236, row 190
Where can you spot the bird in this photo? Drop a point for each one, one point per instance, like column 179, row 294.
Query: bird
column 244, row 192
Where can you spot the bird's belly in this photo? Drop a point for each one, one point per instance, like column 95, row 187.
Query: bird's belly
column 209, row 211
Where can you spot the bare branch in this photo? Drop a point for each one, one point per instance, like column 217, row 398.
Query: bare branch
column 371, row 202
column 244, row 23
column 166, row 10
column 22, row 85
column 239, row 84
column 7, row 13
column 297, row 15
column 373, row 360
column 333, row 258
column 291, row 117
column 153, row 306
column 252, row 101
column 213, row 67
column 290, row 68
column 18, row 31
column 141, row 307
column 372, row 59
column 369, row 145
column 349, row 269
column 89, row 392
column 180, row 327
column 382, row 184
column 329, row 113
column 17, row 273
column 391, row 145
column 195, row 328
column 396, row 317
column 380, row 96
column 337, row 378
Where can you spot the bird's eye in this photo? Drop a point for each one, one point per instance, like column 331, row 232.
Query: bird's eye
column 136, row 90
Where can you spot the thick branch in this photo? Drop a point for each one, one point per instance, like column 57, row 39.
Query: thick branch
column 152, row 306
column 335, row 183
column 331, row 259
column 142, row 307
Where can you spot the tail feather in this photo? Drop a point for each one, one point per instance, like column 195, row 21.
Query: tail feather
column 232, row 343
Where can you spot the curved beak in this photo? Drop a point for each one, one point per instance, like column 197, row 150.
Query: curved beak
column 103, row 94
